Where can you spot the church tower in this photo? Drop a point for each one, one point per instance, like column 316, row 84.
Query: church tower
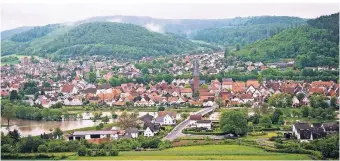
column 196, row 76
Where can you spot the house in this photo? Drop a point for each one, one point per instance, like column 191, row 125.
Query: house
column 186, row 92
column 302, row 132
column 194, row 118
column 131, row 132
column 77, row 135
column 330, row 127
column 305, row 132
column 227, row 83
column 69, row 89
column 208, row 103
column 166, row 118
column 151, row 129
column 296, row 101
column 73, row 102
column 206, row 124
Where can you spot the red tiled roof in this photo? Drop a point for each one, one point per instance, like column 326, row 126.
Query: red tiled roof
column 67, row 88
column 195, row 117
column 254, row 83
column 186, row 90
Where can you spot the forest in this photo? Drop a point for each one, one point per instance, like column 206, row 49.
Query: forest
column 253, row 29
column 103, row 38
column 311, row 45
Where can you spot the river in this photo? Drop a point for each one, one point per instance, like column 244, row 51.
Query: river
column 34, row 128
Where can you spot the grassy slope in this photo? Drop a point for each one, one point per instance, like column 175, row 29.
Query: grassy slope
column 205, row 152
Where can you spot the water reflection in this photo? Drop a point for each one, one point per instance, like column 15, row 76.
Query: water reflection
column 34, row 128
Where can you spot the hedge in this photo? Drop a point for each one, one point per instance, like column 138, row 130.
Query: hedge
column 203, row 133
column 29, row 157
column 268, row 129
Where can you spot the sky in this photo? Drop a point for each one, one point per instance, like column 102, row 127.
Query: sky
column 37, row 14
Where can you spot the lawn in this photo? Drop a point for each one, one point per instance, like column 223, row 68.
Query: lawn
column 267, row 136
column 204, row 152
column 90, row 128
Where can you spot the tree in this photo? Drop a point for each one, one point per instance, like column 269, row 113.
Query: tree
column 281, row 121
column 14, row 95
column 92, row 77
column 255, row 119
column 57, row 133
column 266, row 121
column 316, row 100
column 305, row 111
column 184, row 115
column 334, row 103
column 9, row 113
column 105, row 119
column 264, row 109
column 260, row 78
column 300, row 96
column 15, row 135
column 280, row 100
column 42, row 148
column 219, row 101
column 187, row 86
column 82, row 151
column 196, row 94
column 114, row 116
column 238, row 47
column 226, row 52
column 126, row 120
column 161, row 108
column 276, row 115
column 205, row 86
column 234, row 122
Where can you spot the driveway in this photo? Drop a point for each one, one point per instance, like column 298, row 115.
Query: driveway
column 177, row 131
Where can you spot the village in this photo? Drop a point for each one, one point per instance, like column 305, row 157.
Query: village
column 72, row 84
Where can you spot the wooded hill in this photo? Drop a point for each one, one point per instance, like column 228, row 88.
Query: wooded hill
column 313, row 44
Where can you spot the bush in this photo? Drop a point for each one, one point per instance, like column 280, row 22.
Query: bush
column 113, row 153
column 89, row 152
column 6, row 148
column 101, row 152
column 42, row 148
column 82, row 151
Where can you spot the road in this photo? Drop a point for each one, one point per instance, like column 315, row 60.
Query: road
column 177, row 131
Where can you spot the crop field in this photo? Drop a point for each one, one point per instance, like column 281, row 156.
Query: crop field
column 204, row 152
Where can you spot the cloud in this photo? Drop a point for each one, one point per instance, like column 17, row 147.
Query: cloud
column 119, row 20
column 154, row 27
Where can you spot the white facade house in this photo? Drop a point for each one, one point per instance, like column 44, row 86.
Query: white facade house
column 204, row 124
column 208, row 103
column 165, row 120
column 148, row 132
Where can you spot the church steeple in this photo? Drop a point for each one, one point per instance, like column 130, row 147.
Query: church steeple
column 196, row 69
column 196, row 74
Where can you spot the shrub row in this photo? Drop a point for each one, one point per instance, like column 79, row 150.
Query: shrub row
column 101, row 152
column 29, row 157
column 203, row 133
column 268, row 129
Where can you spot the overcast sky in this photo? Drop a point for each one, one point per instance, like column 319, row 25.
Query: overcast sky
column 16, row 15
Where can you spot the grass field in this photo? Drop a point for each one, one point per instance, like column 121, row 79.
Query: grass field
column 204, row 152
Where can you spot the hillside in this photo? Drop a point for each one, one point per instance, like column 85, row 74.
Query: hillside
column 100, row 38
column 8, row 33
column 256, row 28
column 312, row 46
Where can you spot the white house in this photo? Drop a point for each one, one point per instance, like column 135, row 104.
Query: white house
column 203, row 124
column 193, row 119
column 208, row 103
column 165, row 119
